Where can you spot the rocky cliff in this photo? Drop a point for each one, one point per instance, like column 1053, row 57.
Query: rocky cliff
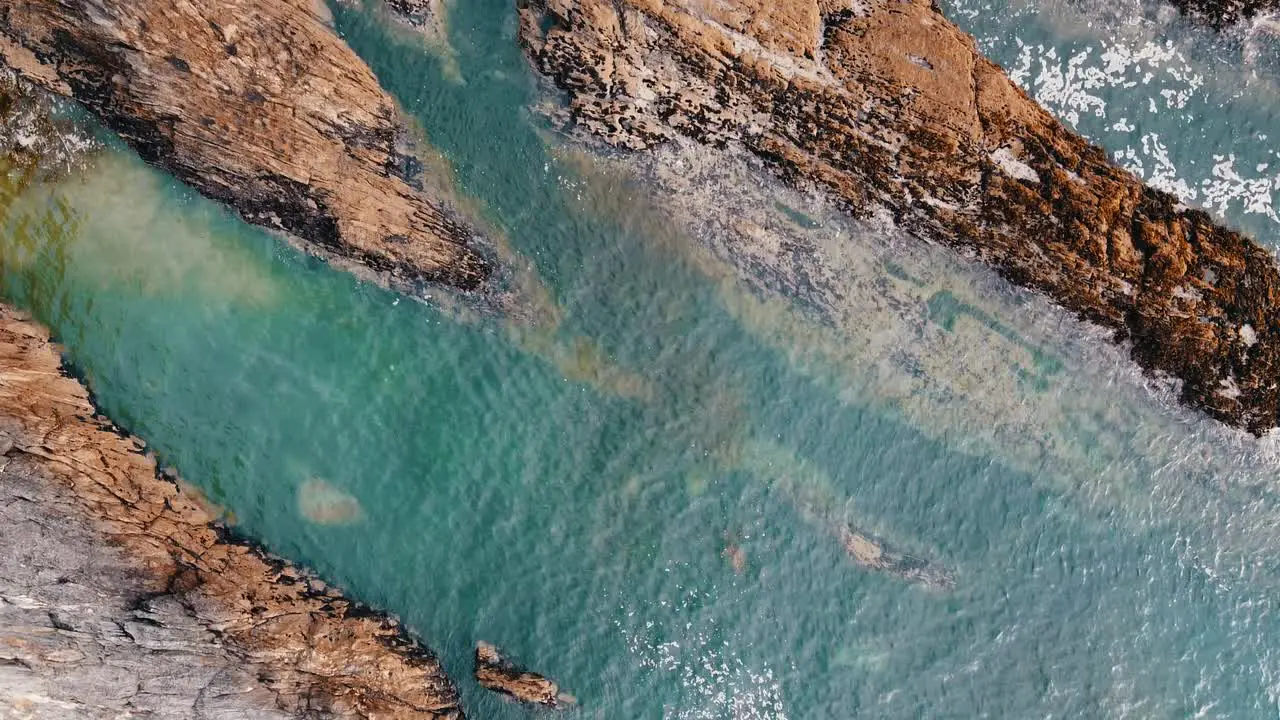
column 888, row 107
column 120, row 596
column 260, row 105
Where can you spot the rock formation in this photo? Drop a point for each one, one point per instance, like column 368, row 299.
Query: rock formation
column 870, row 554
column 495, row 672
column 258, row 104
column 419, row 11
column 121, row 596
column 887, row 106
column 428, row 17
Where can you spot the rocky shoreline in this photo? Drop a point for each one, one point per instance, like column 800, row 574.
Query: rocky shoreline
column 259, row 105
column 495, row 672
column 890, row 109
column 121, row 593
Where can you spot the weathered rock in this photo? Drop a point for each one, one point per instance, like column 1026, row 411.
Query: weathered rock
column 419, row 11
column 258, row 104
column 871, row 554
column 120, row 596
column 495, row 672
column 887, row 105
column 430, row 17
column 32, row 135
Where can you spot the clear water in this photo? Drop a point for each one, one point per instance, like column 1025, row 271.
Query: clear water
column 567, row 485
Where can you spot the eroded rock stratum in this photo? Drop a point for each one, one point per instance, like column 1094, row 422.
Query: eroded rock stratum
column 121, row 597
column 259, row 105
column 888, row 106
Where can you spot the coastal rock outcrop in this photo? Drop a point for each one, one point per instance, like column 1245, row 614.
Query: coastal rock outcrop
column 871, row 554
column 258, row 104
column 429, row 17
column 120, row 596
column 497, row 673
column 419, row 11
column 891, row 109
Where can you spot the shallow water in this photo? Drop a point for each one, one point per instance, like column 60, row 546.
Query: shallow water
column 577, row 481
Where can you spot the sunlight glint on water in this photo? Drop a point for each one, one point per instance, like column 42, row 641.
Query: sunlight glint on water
column 639, row 491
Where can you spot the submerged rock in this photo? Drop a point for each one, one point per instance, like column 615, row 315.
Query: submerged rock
column 429, row 18
column 891, row 109
column 121, row 596
column 33, row 138
column 420, row 12
column 734, row 554
column 258, row 104
column 324, row 504
column 495, row 672
column 871, row 554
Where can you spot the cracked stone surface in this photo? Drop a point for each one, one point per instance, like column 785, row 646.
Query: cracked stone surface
column 887, row 107
column 120, row 596
column 260, row 105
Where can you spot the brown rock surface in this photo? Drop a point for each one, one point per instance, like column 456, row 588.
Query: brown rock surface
column 887, row 105
column 120, row 594
column 258, row 104
column 495, row 672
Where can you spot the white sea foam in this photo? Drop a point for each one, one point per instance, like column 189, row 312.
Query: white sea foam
column 27, row 127
column 1150, row 78
column 718, row 684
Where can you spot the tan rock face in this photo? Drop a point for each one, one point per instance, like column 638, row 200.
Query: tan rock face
column 496, row 673
column 259, row 105
column 886, row 104
column 164, row 591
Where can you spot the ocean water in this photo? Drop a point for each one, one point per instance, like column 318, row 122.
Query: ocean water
column 635, row 478
column 1193, row 112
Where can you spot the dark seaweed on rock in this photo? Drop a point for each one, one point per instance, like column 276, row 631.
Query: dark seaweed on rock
column 121, row 595
column 887, row 105
column 258, row 105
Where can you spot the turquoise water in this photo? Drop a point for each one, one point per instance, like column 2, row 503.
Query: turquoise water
column 567, row 485
column 1195, row 113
